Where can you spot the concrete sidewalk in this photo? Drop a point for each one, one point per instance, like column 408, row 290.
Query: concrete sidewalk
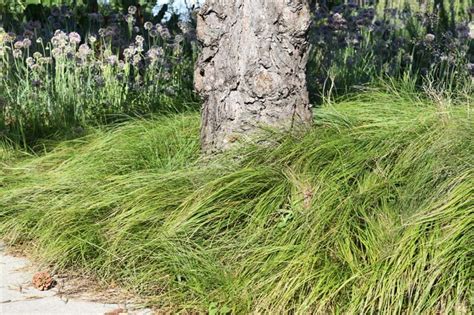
column 18, row 296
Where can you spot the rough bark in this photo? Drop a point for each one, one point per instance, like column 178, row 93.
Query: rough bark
column 251, row 71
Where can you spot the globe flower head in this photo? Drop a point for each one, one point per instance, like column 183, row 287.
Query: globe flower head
column 136, row 60
column 164, row 32
column 130, row 19
column 74, row 38
column 84, row 51
column 112, row 60
column 92, row 39
column 37, row 55
column 17, row 53
column 129, row 52
column 429, row 38
column 178, row 50
column 99, row 80
column 337, row 18
column 148, row 25
column 56, row 52
column 60, row 39
column 178, row 39
column 18, row 45
column 407, row 58
column 121, row 65
column 45, row 60
column 155, row 54
column 139, row 40
column 132, row 10
column 10, row 37
column 101, row 32
column 470, row 68
column 185, row 27
column 2, row 35
column 30, row 61
column 26, row 43
column 28, row 34
column 153, row 33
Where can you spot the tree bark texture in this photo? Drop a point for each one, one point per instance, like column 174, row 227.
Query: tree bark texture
column 251, row 71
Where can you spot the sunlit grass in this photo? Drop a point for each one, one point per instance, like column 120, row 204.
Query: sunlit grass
column 370, row 211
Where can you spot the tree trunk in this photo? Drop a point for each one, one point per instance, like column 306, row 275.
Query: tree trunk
column 251, row 71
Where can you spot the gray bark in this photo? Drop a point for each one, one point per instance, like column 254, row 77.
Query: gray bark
column 251, row 71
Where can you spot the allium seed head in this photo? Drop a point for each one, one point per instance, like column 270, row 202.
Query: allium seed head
column 148, row 25
column 74, row 38
column 153, row 33
column 429, row 38
column 17, row 53
column 139, row 39
column 132, row 10
column 112, row 60
column 18, row 44
column 26, row 42
column 30, row 61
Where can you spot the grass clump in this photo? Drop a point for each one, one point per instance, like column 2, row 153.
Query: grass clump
column 370, row 211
